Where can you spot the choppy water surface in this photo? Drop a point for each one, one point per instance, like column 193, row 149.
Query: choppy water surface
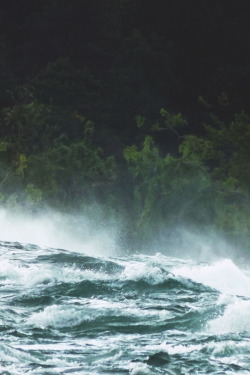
column 63, row 312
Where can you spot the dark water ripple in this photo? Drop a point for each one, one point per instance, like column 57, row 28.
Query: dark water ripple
column 69, row 313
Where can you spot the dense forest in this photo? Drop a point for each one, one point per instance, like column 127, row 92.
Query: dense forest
column 134, row 110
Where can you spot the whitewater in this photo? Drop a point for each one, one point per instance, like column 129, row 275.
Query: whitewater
column 74, row 310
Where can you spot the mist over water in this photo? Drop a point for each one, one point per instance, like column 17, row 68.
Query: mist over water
column 96, row 234
column 73, row 302
column 59, row 230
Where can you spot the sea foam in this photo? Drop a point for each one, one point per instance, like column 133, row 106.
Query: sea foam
column 222, row 275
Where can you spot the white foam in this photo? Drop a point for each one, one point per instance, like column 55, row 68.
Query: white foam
column 88, row 310
column 223, row 275
column 137, row 271
column 235, row 319
column 222, row 349
column 139, row 369
column 9, row 271
column 13, row 273
column 174, row 349
column 227, row 278
column 57, row 317
column 15, row 356
column 12, row 369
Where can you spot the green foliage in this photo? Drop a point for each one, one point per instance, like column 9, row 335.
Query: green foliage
column 172, row 122
column 196, row 149
column 25, row 128
column 206, row 185
column 224, row 148
column 168, row 190
column 140, row 120
column 1, row 197
column 22, row 164
column 34, row 194
column 3, row 146
column 224, row 152
column 70, row 171
column 202, row 101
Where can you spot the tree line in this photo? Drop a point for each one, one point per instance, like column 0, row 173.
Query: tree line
column 123, row 104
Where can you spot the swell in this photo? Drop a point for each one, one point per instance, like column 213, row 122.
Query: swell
column 66, row 312
column 93, row 317
column 81, row 262
column 112, row 288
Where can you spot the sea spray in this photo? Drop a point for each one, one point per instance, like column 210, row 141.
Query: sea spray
column 71, row 231
column 222, row 275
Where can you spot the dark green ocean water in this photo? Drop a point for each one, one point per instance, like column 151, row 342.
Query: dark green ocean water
column 63, row 312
